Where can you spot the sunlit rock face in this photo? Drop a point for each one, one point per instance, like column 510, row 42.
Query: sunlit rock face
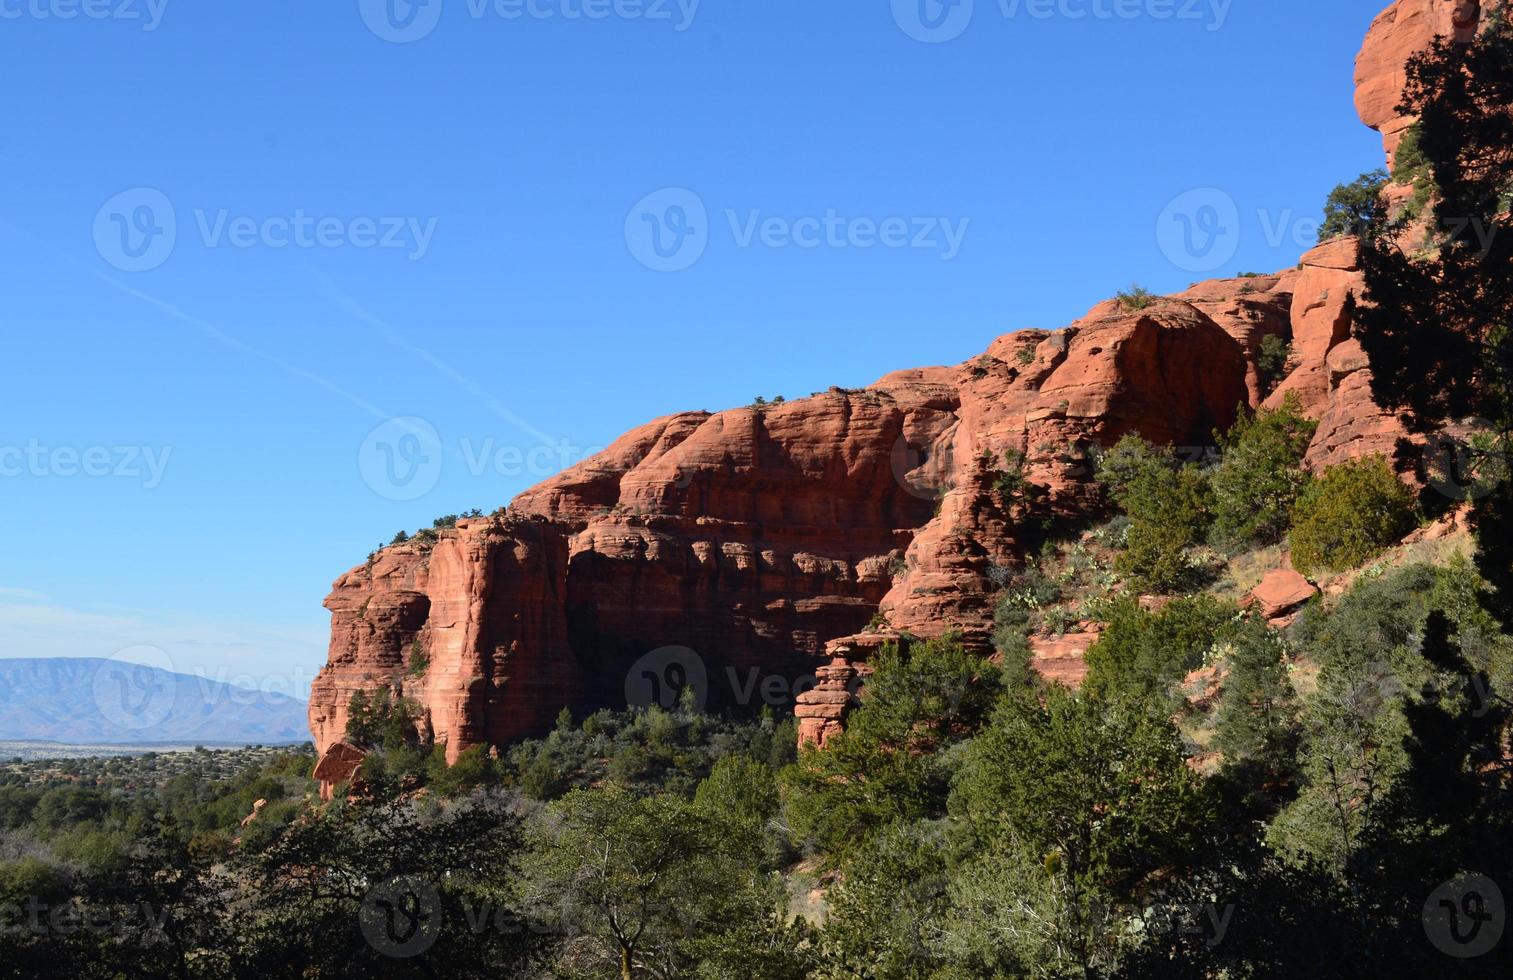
column 759, row 553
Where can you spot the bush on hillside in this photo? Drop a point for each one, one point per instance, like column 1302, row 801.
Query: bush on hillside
column 1350, row 515
column 1144, row 655
column 1261, row 477
column 1271, row 362
column 1137, row 297
column 1167, row 506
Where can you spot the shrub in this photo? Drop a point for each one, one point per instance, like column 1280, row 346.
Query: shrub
column 1271, row 362
column 1024, row 594
column 1348, row 515
column 1137, row 297
column 1261, row 477
column 1144, row 655
column 1093, row 793
column 1412, row 166
column 1021, row 497
column 1257, row 720
column 420, row 661
column 890, row 763
column 381, row 721
column 1353, row 208
column 1166, row 503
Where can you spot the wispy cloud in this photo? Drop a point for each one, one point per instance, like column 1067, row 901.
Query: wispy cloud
column 223, row 337
column 391, row 334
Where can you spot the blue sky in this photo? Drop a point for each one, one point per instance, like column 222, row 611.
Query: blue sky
column 235, row 244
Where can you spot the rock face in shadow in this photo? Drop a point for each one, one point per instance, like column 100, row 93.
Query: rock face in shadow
column 758, row 554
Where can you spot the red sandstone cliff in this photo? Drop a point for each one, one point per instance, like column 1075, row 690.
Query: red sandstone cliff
column 760, row 537
column 1398, row 33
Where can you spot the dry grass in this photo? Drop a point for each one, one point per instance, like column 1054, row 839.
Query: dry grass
column 808, row 890
column 1440, row 551
column 1244, row 571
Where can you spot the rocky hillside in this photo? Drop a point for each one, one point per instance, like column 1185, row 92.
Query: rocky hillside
column 789, row 539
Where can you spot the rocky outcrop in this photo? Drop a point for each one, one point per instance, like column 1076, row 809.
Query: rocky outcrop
column 1323, row 292
column 756, row 536
column 1281, row 592
column 791, row 540
column 251, row 818
column 1353, row 425
column 1063, row 659
column 1168, row 372
column 338, row 763
column 821, row 711
column 1331, row 379
column 1249, row 309
column 1404, row 29
column 472, row 627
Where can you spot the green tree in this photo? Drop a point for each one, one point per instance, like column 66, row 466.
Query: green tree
column 1353, row 208
column 889, row 763
column 1137, row 297
column 1438, row 326
column 1348, row 515
column 1142, row 656
column 1167, row 506
column 1272, row 360
column 388, row 890
column 1075, row 804
column 1261, row 476
column 1257, row 726
column 1353, row 722
column 887, row 917
column 1411, row 167
column 380, row 720
column 651, row 886
column 743, row 793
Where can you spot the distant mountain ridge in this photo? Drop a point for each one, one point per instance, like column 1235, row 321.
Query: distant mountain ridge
column 111, row 702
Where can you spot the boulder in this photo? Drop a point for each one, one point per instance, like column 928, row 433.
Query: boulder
column 1281, row 591
column 339, row 763
column 1063, row 659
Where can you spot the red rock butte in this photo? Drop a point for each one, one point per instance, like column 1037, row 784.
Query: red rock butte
column 791, row 540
